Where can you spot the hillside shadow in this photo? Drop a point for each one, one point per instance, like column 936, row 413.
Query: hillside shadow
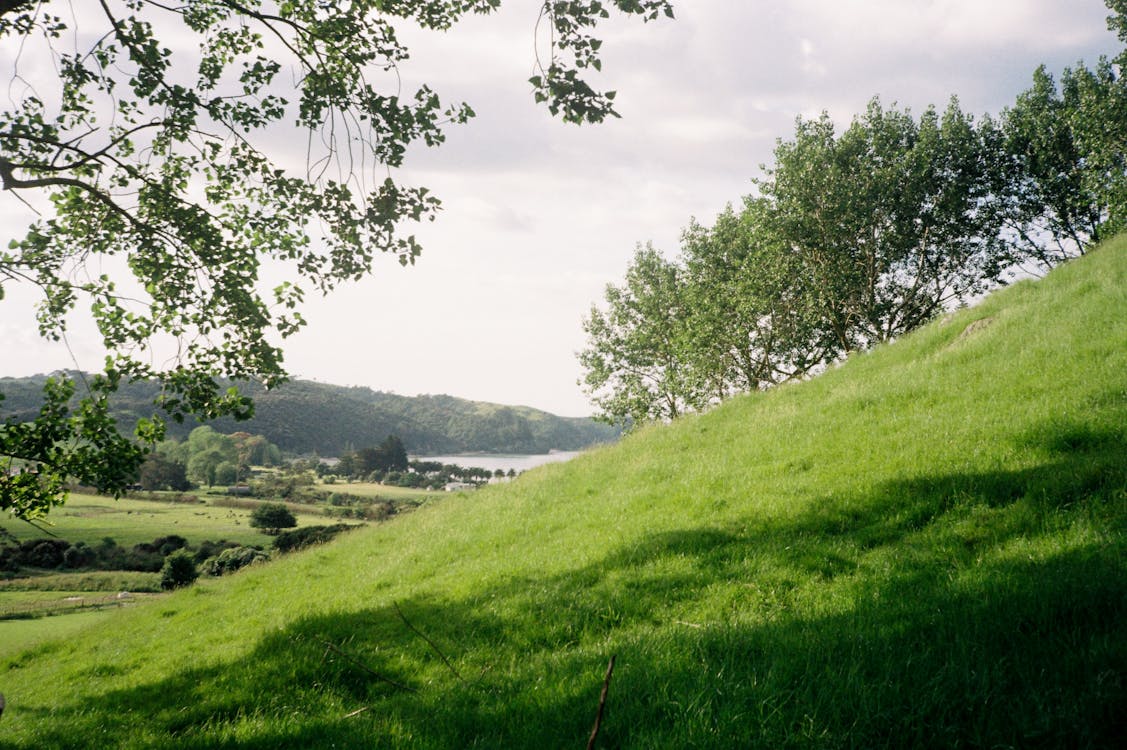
column 930, row 636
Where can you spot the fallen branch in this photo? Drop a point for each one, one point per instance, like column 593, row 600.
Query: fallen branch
column 356, row 662
column 602, row 705
column 431, row 643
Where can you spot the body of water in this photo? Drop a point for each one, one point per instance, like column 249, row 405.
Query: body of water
column 504, row 462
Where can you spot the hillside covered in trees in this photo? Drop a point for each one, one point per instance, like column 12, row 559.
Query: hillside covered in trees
column 306, row 417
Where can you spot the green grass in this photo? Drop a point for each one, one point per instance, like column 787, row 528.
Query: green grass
column 375, row 490
column 922, row 547
column 20, row 635
column 25, row 605
column 94, row 580
column 129, row 521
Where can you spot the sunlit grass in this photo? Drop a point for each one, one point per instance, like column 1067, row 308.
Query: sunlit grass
column 378, row 491
column 922, row 547
column 129, row 521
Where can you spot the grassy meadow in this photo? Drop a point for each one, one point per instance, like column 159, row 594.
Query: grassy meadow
column 37, row 595
column 132, row 520
column 922, row 547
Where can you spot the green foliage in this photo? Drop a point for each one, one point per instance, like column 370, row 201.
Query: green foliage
column 179, row 570
column 182, row 186
column 390, row 455
column 634, row 366
column 159, row 472
column 232, row 559
column 889, row 221
column 1065, row 178
column 292, row 541
column 61, row 442
column 856, row 238
column 272, row 517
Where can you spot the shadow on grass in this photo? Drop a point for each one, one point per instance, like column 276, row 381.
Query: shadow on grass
column 923, row 614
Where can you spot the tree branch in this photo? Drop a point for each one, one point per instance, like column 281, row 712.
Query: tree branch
column 602, row 705
column 8, row 6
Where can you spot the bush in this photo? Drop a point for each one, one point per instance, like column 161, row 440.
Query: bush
column 291, row 541
column 272, row 517
column 235, row 558
column 179, row 570
column 79, row 556
column 209, row 549
column 44, row 553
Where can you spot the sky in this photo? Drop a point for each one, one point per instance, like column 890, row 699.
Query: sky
column 539, row 216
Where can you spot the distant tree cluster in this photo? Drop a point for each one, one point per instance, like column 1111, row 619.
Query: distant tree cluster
column 855, row 238
column 390, row 455
column 389, row 464
column 207, row 458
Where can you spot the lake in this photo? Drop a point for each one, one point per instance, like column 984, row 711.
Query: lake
column 504, row 462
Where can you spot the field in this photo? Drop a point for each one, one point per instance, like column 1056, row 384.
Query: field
column 375, row 491
column 924, row 546
column 34, row 605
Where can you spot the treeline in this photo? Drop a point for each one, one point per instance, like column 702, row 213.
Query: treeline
column 210, row 458
column 304, row 417
column 855, row 238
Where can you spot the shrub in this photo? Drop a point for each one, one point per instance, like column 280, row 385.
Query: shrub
column 79, row 556
column 232, row 559
column 272, row 517
column 209, row 549
column 44, row 553
column 291, row 541
column 179, row 570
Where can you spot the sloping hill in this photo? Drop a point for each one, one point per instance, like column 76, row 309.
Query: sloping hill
column 303, row 416
column 922, row 547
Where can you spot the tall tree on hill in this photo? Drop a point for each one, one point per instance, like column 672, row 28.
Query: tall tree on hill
column 751, row 315
column 168, row 161
column 1065, row 175
column 634, row 366
column 889, row 221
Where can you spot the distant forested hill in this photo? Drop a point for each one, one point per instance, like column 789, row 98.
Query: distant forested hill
column 306, row 417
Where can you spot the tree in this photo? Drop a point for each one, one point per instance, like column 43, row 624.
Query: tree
column 389, row 455
column 179, row 570
column 890, row 221
column 1117, row 22
column 853, row 240
column 1064, row 167
column 272, row 517
column 392, row 454
column 167, row 162
column 160, row 472
column 749, row 306
column 634, row 366
column 226, row 473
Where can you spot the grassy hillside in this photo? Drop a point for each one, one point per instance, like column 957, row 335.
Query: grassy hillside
column 923, row 547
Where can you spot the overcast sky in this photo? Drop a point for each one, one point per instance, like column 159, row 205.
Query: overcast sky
column 539, row 216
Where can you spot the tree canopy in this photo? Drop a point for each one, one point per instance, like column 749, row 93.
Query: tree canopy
column 153, row 154
column 856, row 237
